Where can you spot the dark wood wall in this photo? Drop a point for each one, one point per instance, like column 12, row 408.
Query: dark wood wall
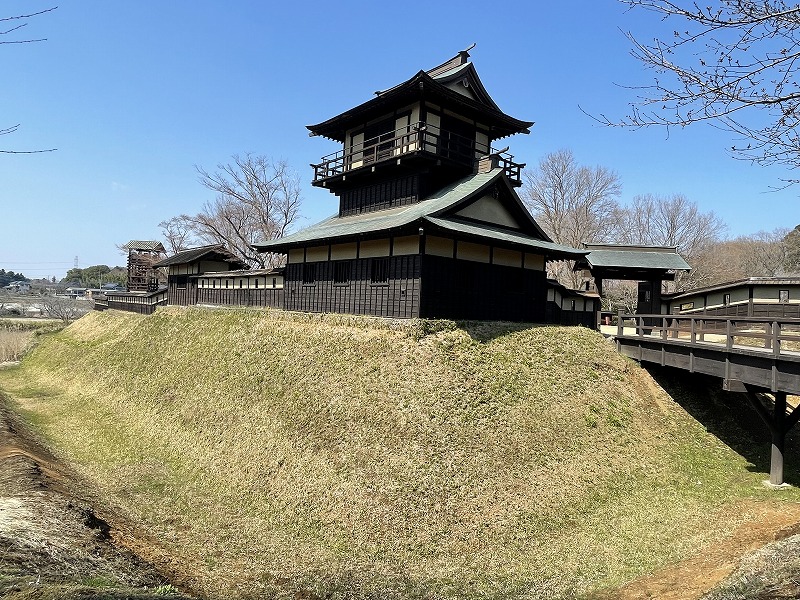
column 461, row 289
column 181, row 290
column 399, row 296
column 380, row 195
column 142, row 309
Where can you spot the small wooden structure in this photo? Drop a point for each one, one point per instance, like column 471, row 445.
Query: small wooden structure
column 213, row 275
column 142, row 255
column 143, row 303
column 571, row 307
column 649, row 265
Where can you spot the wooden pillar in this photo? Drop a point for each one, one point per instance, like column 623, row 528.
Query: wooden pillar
column 779, row 424
column 778, row 439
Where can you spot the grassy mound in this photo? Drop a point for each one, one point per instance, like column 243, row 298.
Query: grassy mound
column 278, row 454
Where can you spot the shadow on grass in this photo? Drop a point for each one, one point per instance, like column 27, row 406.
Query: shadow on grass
column 486, row 331
column 729, row 417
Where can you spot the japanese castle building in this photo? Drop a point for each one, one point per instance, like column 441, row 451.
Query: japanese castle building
column 429, row 222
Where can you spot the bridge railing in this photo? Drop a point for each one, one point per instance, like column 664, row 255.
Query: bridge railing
column 777, row 336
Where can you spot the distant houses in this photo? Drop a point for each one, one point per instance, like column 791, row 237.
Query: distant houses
column 18, row 287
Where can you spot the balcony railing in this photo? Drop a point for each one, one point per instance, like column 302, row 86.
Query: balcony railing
column 419, row 137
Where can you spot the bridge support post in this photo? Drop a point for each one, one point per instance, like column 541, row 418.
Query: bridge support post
column 778, row 440
column 779, row 424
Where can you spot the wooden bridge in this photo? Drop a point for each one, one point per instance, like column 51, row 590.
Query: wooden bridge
column 756, row 356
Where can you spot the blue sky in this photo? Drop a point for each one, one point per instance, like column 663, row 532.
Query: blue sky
column 135, row 94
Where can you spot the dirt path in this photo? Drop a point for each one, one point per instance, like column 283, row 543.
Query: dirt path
column 696, row 576
column 52, row 543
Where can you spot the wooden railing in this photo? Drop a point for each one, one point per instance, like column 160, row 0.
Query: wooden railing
column 775, row 336
column 418, row 137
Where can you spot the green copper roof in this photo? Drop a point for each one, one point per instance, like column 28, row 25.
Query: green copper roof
column 637, row 259
column 494, row 234
column 431, row 211
column 385, row 220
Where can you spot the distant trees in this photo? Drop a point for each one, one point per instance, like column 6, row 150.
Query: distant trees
column 6, row 277
column 62, row 308
column 576, row 204
column 256, row 199
column 95, row 276
column 792, row 241
column 763, row 254
column 671, row 221
column 177, row 233
column 732, row 63
column 572, row 203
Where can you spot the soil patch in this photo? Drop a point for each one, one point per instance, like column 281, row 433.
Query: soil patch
column 693, row 578
column 54, row 544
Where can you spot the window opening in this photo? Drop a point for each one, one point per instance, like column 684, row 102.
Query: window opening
column 379, row 270
column 309, row 273
column 341, row 271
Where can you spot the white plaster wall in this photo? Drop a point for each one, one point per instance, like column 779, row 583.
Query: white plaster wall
column 509, row 258
column 408, row 244
column 373, row 248
column 473, row 252
column 439, row 246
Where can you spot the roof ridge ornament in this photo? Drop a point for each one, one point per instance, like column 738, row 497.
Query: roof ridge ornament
column 458, row 60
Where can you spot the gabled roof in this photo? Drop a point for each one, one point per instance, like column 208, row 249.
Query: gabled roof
column 216, row 252
column 437, row 211
column 638, row 258
column 430, row 85
column 150, row 246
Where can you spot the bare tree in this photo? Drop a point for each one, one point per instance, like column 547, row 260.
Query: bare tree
column 792, row 241
column 572, row 203
column 257, row 199
column 15, row 24
column 177, row 233
column 766, row 254
column 732, row 63
column 63, row 308
column 674, row 221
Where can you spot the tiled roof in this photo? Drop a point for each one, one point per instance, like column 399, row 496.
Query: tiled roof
column 637, row 259
column 503, row 235
column 380, row 221
column 151, row 245
column 212, row 252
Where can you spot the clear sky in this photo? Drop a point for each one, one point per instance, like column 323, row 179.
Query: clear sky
column 135, row 94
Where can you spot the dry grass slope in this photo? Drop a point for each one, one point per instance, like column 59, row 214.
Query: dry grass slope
column 278, row 454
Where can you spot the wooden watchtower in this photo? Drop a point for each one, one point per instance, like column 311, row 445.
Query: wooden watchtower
column 142, row 255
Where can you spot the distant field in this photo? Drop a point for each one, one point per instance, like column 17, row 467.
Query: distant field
column 18, row 334
column 276, row 454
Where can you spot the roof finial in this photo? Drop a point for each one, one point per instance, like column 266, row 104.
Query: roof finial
column 464, row 54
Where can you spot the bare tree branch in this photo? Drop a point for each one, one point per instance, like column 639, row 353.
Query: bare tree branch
column 14, row 128
column 257, row 199
column 573, row 203
column 731, row 63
